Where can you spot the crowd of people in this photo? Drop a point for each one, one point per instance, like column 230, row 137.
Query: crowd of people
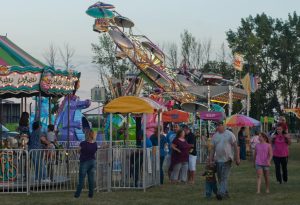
column 178, row 155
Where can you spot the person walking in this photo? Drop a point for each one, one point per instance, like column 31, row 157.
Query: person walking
column 180, row 158
column 262, row 161
column 191, row 139
column 224, row 147
column 88, row 149
column 281, row 142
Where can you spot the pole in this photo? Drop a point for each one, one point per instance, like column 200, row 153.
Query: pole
column 248, row 103
column 68, row 136
column 98, row 116
column 208, row 104
column 40, row 106
column 49, row 108
column 144, row 151
column 158, row 146
column 1, row 114
column 25, row 104
column 230, row 101
column 21, row 105
column 110, row 152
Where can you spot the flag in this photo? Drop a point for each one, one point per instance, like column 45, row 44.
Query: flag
column 246, row 82
column 238, row 61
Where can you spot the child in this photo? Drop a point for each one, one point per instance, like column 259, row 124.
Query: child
column 263, row 156
column 51, row 137
column 210, row 179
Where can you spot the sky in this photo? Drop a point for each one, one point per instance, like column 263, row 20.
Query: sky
column 35, row 24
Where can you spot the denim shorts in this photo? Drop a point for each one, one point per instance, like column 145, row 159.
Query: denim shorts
column 263, row 167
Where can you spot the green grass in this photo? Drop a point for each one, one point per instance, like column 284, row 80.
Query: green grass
column 11, row 126
column 241, row 187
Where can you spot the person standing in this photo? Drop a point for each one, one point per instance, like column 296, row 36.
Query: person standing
column 88, row 149
column 23, row 127
column 224, row 147
column 191, row 139
column 281, row 142
column 180, row 158
column 35, row 143
column 242, row 143
column 170, row 137
column 163, row 153
column 262, row 161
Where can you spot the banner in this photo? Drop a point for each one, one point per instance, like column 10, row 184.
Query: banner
column 210, row 115
column 238, row 61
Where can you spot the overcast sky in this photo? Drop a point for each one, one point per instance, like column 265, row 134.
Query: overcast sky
column 34, row 24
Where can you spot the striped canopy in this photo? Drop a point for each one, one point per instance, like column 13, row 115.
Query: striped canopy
column 12, row 55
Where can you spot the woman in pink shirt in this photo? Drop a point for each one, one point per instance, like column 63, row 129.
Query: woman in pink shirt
column 281, row 142
column 263, row 157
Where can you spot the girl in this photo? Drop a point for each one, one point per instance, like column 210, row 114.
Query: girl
column 263, row 156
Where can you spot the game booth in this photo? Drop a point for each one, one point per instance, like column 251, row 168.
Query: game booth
column 134, row 166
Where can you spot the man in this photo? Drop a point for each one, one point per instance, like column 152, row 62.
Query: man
column 191, row 139
column 224, row 147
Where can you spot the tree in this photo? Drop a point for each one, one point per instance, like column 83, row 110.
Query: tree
column 271, row 47
column 51, row 55
column 172, row 53
column 66, row 56
column 108, row 64
column 188, row 44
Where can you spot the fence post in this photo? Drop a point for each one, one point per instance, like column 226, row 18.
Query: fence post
column 110, row 152
column 97, row 171
column 144, row 152
column 27, row 173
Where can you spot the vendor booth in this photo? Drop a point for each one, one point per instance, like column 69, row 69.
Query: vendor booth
column 133, row 167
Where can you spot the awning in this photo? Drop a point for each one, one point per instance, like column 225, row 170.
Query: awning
column 132, row 104
column 175, row 116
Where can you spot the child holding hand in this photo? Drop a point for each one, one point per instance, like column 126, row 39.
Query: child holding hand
column 210, row 179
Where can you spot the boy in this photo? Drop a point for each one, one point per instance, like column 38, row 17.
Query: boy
column 210, row 180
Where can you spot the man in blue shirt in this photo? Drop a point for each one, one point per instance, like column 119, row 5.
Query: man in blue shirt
column 170, row 137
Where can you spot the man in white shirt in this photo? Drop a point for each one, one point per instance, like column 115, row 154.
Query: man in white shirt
column 224, row 151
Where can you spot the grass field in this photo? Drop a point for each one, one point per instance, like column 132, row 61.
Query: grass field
column 241, row 187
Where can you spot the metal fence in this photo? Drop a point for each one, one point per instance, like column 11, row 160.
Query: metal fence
column 13, row 171
column 56, row 170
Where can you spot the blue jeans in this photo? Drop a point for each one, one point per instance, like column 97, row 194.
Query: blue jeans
column 89, row 168
column 162, row 158
column 223, row 171
column 209, row 188
column 39, row 166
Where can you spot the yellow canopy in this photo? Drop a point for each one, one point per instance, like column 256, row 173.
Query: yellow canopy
column 132, row 104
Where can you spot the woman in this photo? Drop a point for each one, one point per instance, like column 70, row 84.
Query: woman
column 179, row 158
column 283, row 124
column 281, row 142
column 163, row 153
column 24, row 124
column 88, row 149
column 242, row 143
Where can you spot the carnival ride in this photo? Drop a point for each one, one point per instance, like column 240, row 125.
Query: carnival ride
column 178, row 84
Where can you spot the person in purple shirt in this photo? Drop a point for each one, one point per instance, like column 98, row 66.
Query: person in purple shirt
column 88, row 149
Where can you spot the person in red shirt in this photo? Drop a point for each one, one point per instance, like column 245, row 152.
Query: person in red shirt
column 282, row 123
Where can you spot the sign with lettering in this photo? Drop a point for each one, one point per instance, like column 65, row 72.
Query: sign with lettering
column 19, row 81
column 216, row 116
